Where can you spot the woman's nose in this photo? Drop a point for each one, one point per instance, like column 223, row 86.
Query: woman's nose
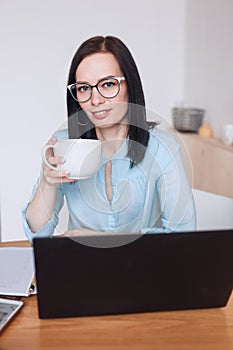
column 96, row 98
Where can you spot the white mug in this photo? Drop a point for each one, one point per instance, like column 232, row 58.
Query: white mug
column 82, row 156
column 227, row 134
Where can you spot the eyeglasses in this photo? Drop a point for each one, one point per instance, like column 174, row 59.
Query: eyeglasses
column 107, row 87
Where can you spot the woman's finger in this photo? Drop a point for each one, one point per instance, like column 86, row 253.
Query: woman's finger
column 55, row 160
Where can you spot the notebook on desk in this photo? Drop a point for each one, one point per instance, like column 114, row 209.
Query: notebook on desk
column 152, row 272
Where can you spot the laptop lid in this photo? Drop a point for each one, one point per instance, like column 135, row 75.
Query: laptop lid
column 151, row 272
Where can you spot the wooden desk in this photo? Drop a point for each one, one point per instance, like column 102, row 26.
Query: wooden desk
column 192, row 329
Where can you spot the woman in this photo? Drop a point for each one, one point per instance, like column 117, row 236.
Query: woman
column 141, row 184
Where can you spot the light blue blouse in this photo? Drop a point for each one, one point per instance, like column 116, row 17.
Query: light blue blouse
column 153, row 196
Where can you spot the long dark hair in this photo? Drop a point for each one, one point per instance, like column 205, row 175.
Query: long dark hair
column 78, row 123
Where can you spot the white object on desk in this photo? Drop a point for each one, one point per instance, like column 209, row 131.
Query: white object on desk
column 17, row 271
column 213, row 211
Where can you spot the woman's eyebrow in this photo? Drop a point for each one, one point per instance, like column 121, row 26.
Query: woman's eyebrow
column 86, row 82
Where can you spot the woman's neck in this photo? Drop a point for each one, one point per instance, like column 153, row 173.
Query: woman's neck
column 112, row 138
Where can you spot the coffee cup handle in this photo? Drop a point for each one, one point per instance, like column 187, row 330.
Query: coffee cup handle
column 43, row 155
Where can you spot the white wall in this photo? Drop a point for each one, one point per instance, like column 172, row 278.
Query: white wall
column 209, row 59
column 38, row 39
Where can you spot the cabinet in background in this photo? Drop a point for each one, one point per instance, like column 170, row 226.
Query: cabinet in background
column 211, row 163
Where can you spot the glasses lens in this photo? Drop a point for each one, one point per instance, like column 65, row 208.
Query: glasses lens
column 81, row 92
column 109, row 87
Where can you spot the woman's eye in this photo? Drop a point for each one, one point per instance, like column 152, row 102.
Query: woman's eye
column 83, row 88
column 108, row 84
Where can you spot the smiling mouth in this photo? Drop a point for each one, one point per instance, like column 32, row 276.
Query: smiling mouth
column 101, row 114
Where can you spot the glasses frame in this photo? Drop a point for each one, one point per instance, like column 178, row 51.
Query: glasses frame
column 119, row 79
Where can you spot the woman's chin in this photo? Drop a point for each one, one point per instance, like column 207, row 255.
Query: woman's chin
column 104, row 123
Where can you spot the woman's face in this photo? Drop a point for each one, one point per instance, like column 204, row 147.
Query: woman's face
column 103, row 112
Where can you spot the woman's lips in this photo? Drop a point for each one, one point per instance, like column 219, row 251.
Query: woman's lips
column 101, row 114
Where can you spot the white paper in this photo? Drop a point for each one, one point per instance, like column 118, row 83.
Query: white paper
column 17, row 271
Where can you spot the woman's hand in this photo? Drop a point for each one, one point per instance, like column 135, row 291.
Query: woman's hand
column 82, row 232
column 54, row 177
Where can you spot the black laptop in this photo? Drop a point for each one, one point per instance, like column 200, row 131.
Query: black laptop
column 133, row 273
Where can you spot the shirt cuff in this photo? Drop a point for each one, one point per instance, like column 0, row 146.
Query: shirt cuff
column 46, row 231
